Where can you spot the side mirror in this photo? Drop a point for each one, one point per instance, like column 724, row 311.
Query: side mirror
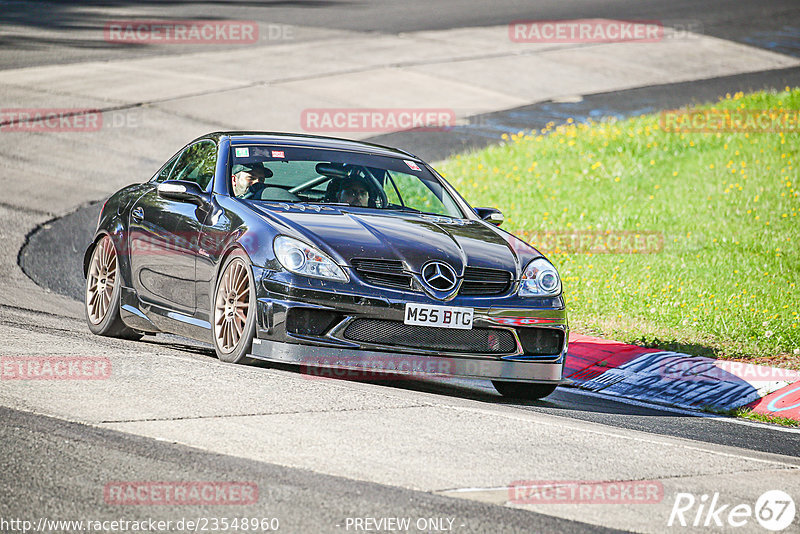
column 183, row 191
column 491, row 215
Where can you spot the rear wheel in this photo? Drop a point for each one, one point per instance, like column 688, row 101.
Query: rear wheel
column 234, row 309
column 103, row 293
column 521, row 390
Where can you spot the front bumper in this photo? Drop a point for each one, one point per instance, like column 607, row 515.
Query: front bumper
column 278, row 340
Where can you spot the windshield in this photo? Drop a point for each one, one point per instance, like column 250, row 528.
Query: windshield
column 290, row 174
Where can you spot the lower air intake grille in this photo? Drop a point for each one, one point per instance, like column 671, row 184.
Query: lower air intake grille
column 398, row 334
column 310, row 322
column 541, row 341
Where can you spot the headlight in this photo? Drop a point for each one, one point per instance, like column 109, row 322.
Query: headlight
column 299, row 258
column 540, row 279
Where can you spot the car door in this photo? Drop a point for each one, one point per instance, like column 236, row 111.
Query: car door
column 164, row 234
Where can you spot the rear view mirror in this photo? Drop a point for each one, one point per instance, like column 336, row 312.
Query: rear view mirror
column 337, row 170
column 491, row 215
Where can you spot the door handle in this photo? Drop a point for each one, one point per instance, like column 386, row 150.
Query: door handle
column 137, row 214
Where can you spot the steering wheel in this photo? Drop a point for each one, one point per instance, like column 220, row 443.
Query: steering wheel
column 366, row 174
column 380, row 202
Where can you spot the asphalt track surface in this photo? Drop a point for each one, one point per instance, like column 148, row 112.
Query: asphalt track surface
column 63, row 463
column 61, row 31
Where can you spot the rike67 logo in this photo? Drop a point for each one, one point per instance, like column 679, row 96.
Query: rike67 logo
column 774, row 510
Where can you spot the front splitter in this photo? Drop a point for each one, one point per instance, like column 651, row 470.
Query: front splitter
column 313, row 358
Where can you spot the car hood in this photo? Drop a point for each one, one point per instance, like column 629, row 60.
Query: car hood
column 415, row 239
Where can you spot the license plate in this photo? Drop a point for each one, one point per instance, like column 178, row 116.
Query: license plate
column 438, row 316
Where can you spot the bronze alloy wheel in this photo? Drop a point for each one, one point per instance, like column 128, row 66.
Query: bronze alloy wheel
column 232, row 306
column 100, row 281
column 103, row 290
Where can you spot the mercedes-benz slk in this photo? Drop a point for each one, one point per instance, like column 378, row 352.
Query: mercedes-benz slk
column 325, row 253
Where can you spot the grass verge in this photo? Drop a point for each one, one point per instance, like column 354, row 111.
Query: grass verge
column 747, row 413
column 683, row 241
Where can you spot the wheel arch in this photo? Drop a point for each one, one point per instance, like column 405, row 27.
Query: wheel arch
column 87, row 256
column 116, row 230
column 233, row 247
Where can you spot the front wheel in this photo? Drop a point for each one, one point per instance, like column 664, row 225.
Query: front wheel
column 234, row 309
column 521, row 390
column 103, row 293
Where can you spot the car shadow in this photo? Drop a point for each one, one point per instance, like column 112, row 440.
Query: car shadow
column 179, row 343
column 566, row 399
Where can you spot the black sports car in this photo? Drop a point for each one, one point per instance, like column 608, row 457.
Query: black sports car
column 326, row 253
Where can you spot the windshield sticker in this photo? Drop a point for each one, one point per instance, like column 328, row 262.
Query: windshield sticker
column 278, row 154
column 242, row 152
column 411, row 165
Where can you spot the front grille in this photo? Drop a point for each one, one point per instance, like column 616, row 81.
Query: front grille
column 480, row 281
column 399, row 334
column 541, row 341
column 391, row 273
column 387, row 273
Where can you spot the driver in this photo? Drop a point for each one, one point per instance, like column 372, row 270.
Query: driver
column 353, row 192
column 248, row 180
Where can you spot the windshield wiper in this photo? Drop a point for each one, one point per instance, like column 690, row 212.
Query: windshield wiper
column 403, row 208
column 321, row 202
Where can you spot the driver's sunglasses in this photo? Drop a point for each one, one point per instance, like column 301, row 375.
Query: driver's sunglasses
column 356, row 192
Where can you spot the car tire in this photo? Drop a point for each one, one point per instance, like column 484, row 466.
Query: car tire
column 102, row 294
column 233, row 309
column 522, row 390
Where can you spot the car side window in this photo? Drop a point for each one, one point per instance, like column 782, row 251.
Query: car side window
column 197, row 164
column 163, row 174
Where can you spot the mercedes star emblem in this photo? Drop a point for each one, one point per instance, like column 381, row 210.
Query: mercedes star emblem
column 439, row 276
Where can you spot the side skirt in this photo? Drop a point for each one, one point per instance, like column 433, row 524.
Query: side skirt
column 152, row 319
